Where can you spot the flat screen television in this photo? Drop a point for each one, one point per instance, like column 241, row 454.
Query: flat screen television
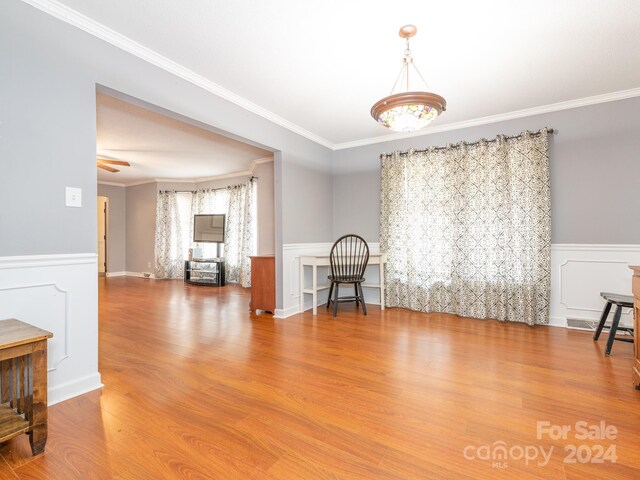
column 208, row 228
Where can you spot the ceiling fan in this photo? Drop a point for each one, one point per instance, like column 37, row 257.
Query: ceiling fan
column 102, row 163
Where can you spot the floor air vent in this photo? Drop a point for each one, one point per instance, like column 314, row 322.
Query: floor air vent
column 581, row 324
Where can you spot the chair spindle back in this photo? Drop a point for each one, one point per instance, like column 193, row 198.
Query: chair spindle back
column 349, row 257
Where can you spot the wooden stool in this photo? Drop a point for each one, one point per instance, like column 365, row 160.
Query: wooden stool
column 620, row 301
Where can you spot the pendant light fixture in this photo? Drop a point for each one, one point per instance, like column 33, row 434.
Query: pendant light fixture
column 408, row 111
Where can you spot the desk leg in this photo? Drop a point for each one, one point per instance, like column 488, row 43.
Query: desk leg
column 301, row 286
column 38, row 420
column 381, row 285
column 315, row 289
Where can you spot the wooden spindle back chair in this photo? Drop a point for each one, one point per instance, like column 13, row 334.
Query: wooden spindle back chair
column 348, row 259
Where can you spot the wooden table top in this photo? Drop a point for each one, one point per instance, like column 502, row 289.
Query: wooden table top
column 14, row 332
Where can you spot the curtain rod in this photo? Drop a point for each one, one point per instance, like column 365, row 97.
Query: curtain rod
column 253, row 177
column 550, row 131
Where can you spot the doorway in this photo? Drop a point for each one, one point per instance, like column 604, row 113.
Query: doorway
column 103, row 203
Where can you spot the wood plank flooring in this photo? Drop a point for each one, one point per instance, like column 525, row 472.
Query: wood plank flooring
column 196, row 387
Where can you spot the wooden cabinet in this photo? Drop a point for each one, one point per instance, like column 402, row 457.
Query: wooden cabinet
column 263, row 283
column 636, row 323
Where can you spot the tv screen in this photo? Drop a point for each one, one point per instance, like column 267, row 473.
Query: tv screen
column 208, row 228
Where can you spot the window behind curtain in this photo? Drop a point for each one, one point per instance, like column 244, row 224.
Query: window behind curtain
column 467, row 228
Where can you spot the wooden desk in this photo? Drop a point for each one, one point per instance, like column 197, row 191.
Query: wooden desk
column 23, row 382
column 635, row 280
column 315, row 261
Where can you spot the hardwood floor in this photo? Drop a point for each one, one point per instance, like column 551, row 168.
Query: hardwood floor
column 196, row 387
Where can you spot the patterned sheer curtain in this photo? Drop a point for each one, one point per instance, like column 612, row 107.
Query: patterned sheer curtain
column 467, row 228
column 240, row 232
column 169, row 243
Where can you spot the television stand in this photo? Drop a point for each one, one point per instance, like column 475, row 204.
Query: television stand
column 204, row 271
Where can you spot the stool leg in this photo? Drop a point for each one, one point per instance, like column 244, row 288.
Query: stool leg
column 603, row 319
column 613, row 329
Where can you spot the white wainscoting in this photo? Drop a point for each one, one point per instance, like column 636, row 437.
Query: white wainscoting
column 58, row 293
column 579, row 272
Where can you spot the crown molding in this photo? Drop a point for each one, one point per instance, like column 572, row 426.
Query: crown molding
column 528, row 112
column 244, row 173
column 113, row 184
column 261, row 161
column 173, row 180
column 75, row 18
column 144, row 182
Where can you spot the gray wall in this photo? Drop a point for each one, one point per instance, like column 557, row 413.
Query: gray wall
column 266, row 213
column 178, row 186
column 47, row 136
column 116, row 233
column 594, row 163
column 141, row 227
column 50, row 71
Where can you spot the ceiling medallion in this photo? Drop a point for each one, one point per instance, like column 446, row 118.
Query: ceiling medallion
column 408, row 111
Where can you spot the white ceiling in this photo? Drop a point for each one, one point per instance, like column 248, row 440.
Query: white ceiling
column 160, row 147
column 321, row 64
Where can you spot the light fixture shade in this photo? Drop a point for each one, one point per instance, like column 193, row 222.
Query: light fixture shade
column 408, row 111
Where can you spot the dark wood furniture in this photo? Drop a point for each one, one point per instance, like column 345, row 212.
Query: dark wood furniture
column 348, row 260
column 620, row 301
column 23, row 382
column 263, row 283
column 201, row 271
column 636, row 319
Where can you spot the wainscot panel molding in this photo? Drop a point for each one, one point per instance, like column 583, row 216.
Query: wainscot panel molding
column 57, row 293
column 579, row 272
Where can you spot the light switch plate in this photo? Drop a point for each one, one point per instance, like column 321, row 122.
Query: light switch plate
column 73, row 197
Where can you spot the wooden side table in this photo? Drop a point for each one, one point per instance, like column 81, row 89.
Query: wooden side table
column 23, row 382
column 263, row 283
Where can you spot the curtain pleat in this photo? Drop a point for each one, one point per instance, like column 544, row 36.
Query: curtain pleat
column 168, row 242
column 467, row 228
column 240, row 232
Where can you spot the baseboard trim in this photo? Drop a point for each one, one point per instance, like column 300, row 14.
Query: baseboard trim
column 116, row 274
column 557, row 322
column 140, row 274
column 286, row 312
column 74, row 388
